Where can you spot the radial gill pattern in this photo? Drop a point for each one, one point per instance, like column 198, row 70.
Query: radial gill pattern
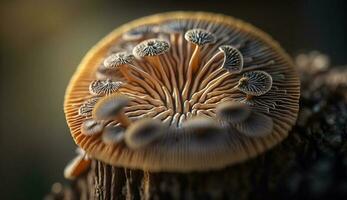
column 182, row 91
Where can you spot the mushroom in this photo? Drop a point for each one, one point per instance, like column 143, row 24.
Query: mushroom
column 181, row 105
column 201, row 127
column 255, row 83
column 77, row 166
column 233, row 59
column 104, row 87
column 122, row 61
column 197, row 37
column 174, row 26
column 119, row 61
column 91, row 127
column 246, row 121
column 143, row 132
column 138, row 33
column 151, row 49
column 113, row 134
column 233, row 112
column 111, row 108
column 256, row 125
column 86, row 108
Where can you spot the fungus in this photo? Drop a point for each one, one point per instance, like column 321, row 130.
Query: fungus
column 92, row 127
column 86, row 108
column 140, row 32
column 118, row 60
column 255, row 83
column 201, row 127
column 77, row 166
column 151, row 50
column 184, row 99
column 104, row 87
column 111, row 108
column 256, row 125
column 233, row 112
column 143, row 132
column 151, row 47
column 233, row 60
column 113, row 134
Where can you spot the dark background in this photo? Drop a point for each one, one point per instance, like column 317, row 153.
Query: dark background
column 42, row 42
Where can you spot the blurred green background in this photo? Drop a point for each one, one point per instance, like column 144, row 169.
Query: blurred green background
column 42, row 42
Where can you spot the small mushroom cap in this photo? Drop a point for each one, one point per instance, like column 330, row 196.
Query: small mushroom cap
column 86, row 108
column 143, row 132
column 76, row 167
column 233, row 111
column 199, row 36
column 118, row 59
column 113, row 134
column 110, row 106
column 255, row 83
column 104, row 73
column 201, row 126
column 151, row 47
column 174, row 26
column 91, row 127
column 140, row 32
column 233, row 59
column 104, row 87
column 256, row 125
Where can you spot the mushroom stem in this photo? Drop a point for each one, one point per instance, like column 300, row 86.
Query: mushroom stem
column 200, row 95
column 123, row 119
column 126, row 72
column 213, row 85
column 142, row 98
column 170, row 71
column 153, row 80
column 204, row 69
column 192, row 68
column 155, row 61
column 194, row 60
column 174, row 37
column 180, row 61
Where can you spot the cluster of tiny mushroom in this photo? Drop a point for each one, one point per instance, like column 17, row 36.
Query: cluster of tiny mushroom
column 143, row 95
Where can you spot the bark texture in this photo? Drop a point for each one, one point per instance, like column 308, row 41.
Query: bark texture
column 310, row 164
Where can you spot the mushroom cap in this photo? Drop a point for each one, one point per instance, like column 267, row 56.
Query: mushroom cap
column 180, row 150
column 256, row 125
column 199, row 37
column 143, row 132
column 151, row 47
column 113, row 134
column 233, row 111
column 76, row 167
column 91, row 127
column 109, row 107
column 118, row 59
column 140, row 32
column 255, row 83
column 201, row 126
column 87, row 106
column 174, row 26
column 104, row 87
column 233, row 59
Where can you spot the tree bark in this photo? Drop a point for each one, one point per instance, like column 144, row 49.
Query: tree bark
column 310, row 164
